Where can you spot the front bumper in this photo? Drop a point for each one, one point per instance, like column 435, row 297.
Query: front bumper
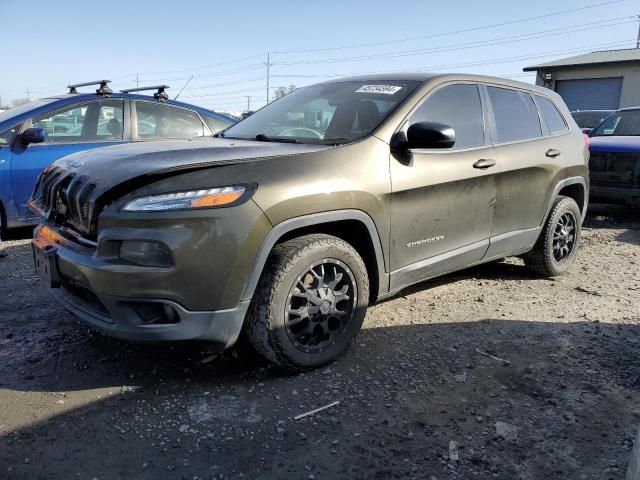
column 122, row 318
column 616, row 195
column 72, row 271
column 199, row 297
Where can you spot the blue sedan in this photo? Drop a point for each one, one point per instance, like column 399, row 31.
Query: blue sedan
column 34, row 135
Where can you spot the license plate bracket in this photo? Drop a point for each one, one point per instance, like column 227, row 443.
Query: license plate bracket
column 45, row 263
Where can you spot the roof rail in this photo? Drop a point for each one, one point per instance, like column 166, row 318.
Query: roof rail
column 104, row 90
column 160, row 95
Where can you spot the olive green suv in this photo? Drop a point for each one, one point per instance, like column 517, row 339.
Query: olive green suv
column 291, row 222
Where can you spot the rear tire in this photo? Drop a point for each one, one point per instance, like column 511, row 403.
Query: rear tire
column 557, row 247
column 309, row 303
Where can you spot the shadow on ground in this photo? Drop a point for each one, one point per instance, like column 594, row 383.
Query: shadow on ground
column 21, row 233
column 567, row 398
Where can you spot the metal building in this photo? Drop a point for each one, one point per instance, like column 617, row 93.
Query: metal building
column 605, row 80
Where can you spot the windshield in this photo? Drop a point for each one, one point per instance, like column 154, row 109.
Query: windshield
column 619, row 124
column 15, row 111
column 590, row 119
column 329, row 113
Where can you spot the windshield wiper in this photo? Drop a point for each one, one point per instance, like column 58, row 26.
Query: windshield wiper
column 261, row 137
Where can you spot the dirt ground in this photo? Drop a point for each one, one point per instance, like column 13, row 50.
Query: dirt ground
column 77, row 404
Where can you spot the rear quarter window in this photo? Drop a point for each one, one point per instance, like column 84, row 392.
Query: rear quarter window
column 515, row 114
column 215, row 125
column 553, row 118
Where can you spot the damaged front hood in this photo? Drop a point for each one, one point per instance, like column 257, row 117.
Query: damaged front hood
column 113, row 165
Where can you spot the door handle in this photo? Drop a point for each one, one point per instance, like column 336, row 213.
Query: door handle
column 484, row 163
column 552, row 153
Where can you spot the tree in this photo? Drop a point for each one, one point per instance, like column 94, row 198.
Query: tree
column 19, row 101
column 282, row 91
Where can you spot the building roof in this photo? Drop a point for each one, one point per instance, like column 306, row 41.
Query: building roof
column 604, row 56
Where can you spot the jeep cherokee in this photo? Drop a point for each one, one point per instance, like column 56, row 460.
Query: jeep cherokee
column 291, row 222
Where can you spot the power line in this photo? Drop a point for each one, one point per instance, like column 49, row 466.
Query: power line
column 212, row 74
column 491, row 61
column 452, row 32
column 204, row 67
column 218, row 94
column 464, row 46
column 223, row 84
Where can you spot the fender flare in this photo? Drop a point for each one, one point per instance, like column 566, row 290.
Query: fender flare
column 309, row 220
column 556, row 191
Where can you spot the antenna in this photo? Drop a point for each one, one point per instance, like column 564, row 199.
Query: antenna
column 185, row 86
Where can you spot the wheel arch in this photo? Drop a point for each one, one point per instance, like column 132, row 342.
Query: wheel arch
column 573, row 187
column 353, row 226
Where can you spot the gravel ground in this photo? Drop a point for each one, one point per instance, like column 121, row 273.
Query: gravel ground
column 417, row 399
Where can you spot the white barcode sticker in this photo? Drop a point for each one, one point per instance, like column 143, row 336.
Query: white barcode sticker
column 384, row 89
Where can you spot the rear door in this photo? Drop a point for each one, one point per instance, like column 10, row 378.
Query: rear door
column 70, row 129
column 442, row 202
column 530, row 150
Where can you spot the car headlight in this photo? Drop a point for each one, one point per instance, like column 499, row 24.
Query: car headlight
column 212, row 197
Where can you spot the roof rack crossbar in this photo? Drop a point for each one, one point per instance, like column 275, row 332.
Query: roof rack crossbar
column 104, row 89
column 159, row 95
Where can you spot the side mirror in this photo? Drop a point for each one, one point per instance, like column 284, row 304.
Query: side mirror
column 430, row 135
column 587, row 131
column 33, row 135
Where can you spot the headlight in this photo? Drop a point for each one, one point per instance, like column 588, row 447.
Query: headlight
column 213, row 197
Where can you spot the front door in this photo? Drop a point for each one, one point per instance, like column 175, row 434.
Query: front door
column 443, row 200
column 68, row 130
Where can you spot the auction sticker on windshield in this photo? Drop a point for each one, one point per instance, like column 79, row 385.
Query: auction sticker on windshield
column 384, row 89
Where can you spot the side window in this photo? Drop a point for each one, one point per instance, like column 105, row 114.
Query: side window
column 7, row 137
column 95, row 121
column 157, row 121
column 515, row 113
column 458, row 106
column 553, row 118
column 110, row 121
column 214, row 124
column 64, row 125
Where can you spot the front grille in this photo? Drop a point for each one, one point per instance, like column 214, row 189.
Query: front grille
column 68, row 200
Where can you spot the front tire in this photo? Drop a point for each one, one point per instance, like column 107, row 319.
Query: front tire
column 309, row 303
column 557, row 247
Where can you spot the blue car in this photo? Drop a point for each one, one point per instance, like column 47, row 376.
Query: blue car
column 34, row 135
column 614, row 166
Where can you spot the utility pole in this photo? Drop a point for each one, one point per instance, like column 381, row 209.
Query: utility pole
column 137, row 81
column 268, row 67
column 28, row 94
column 638, row 40
column 248, row 103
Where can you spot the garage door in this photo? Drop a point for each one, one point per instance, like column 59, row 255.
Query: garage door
column 591, row 94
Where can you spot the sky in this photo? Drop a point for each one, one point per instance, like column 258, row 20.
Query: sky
column 224, row 45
